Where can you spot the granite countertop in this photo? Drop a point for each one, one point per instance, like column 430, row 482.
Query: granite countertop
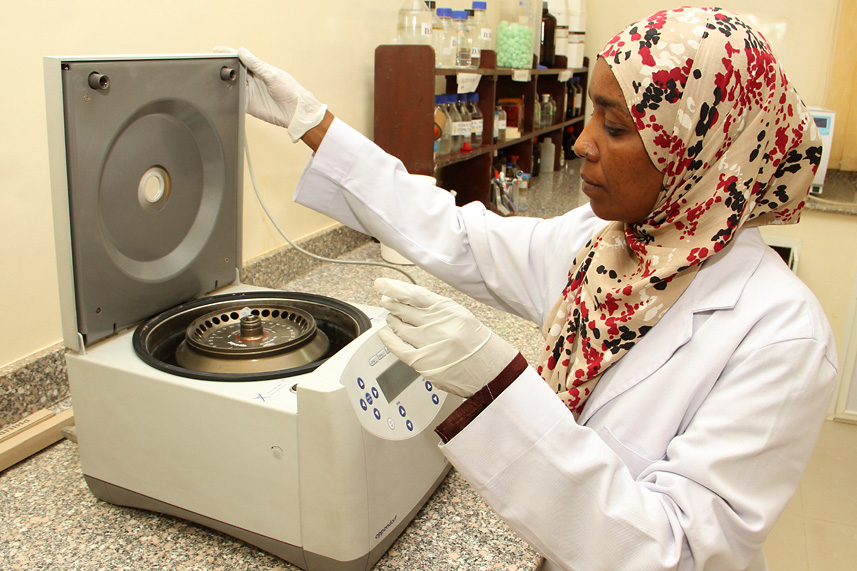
column 50, row 520
column 838, row 194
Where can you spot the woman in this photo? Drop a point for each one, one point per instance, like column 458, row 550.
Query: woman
column 693, row 368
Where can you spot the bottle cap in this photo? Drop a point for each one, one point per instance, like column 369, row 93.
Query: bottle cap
column 444, row 12
column 459, row 15
column 480, row 5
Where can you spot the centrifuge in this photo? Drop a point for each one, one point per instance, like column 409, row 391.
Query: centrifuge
column 276, row 417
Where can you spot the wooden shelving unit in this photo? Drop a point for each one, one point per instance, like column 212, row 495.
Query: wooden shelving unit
column 405, row 80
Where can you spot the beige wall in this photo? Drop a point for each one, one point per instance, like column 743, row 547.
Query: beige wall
column 328, row 46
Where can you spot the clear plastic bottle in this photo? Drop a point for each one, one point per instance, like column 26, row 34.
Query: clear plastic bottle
column 462, row 38
column 547, row 55
column 578, row 97
column 457, row 138
column 480, row 22
column 500, row 122
column 444, row 146
column 554, row 110
column 414, row 25
column 466, row 119
column 548, row 110
column 537, row 115
column 476, row 121
column 436, row 32
column 448, row 44
column 475, row 43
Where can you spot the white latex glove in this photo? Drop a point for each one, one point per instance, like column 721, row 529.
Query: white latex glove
column 276, row 97
column 440, row 339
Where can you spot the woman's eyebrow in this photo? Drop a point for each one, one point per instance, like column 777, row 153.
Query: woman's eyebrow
column 614, row 104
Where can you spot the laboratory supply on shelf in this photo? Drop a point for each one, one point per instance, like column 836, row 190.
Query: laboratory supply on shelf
column 405, row 83
column 499, row 124
column 537, row 115
column 523, row 192
column 548, row 110
column 547, row 53
column 477, row 122
column 414, row 23
column 560, row 9
column 514, row 45
column 575, row 92
column 480, row 22
column 466, row 119
column 548, row 150
column 437, row 32
column 443, row 139
column 475, row 42
column 576, row 32
column 457, row 139
column 448, row 42
column 463, row 41
column 537, row 158
column 514, row 108
column 503, row 192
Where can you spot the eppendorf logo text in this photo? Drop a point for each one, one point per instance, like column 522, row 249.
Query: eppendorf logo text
column 386, row 527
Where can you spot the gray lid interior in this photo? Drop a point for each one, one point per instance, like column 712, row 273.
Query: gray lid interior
column 154, row 169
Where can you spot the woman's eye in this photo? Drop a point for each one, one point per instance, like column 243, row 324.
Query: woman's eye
column 613, row 131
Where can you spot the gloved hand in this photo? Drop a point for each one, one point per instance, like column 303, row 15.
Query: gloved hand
column 276, row 97
column 440, row 339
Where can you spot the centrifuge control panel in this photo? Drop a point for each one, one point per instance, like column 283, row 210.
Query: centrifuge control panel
column 391, row 399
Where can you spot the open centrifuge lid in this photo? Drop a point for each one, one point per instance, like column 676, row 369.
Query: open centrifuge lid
column 146, row 176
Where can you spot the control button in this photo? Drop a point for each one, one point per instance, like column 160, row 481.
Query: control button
column 391, row 424
column 428, row 386
column 360, row 383
column 372, row 360
column 368, row 398
column 381, row 354
column 363, row 405
column 410, row 425
column 435, row 399
column 401, row 410
column 375, row 392
column 377, row 414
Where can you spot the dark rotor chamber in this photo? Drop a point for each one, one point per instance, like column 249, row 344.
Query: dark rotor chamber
column 157, row 340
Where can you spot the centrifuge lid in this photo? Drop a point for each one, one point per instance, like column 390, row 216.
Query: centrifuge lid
column 146, row 176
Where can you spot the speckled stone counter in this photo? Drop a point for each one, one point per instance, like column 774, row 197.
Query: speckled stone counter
column 49, row 520
column 838, row 194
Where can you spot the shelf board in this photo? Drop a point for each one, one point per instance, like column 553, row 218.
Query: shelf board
column 443, row 71
column 455, row 158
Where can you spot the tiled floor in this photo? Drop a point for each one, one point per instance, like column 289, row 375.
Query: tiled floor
column 818, row 530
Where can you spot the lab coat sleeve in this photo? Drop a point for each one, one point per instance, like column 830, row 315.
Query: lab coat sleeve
column 518, row 264
column 708, row 504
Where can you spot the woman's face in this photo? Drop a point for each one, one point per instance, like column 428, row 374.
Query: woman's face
column 617, row 174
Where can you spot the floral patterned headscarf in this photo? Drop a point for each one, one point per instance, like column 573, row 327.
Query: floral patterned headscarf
column 737, row 147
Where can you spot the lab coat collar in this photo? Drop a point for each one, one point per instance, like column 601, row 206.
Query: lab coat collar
column 717, row 286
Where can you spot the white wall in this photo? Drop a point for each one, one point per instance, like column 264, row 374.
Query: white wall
column 329, row 46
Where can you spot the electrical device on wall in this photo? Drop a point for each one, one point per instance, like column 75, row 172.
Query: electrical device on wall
column 824, row 121
column 278, row 418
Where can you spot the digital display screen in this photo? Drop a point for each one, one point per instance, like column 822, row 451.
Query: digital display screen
column 821, row 122
column 396, row 379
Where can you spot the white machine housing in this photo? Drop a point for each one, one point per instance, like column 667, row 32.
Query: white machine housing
column 319, row 468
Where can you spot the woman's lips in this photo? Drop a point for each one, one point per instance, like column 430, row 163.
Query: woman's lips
column 587, row 185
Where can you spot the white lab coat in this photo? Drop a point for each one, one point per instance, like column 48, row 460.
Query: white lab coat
column 690, row 446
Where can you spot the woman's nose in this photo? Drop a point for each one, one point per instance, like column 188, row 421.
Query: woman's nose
column 584, row 147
